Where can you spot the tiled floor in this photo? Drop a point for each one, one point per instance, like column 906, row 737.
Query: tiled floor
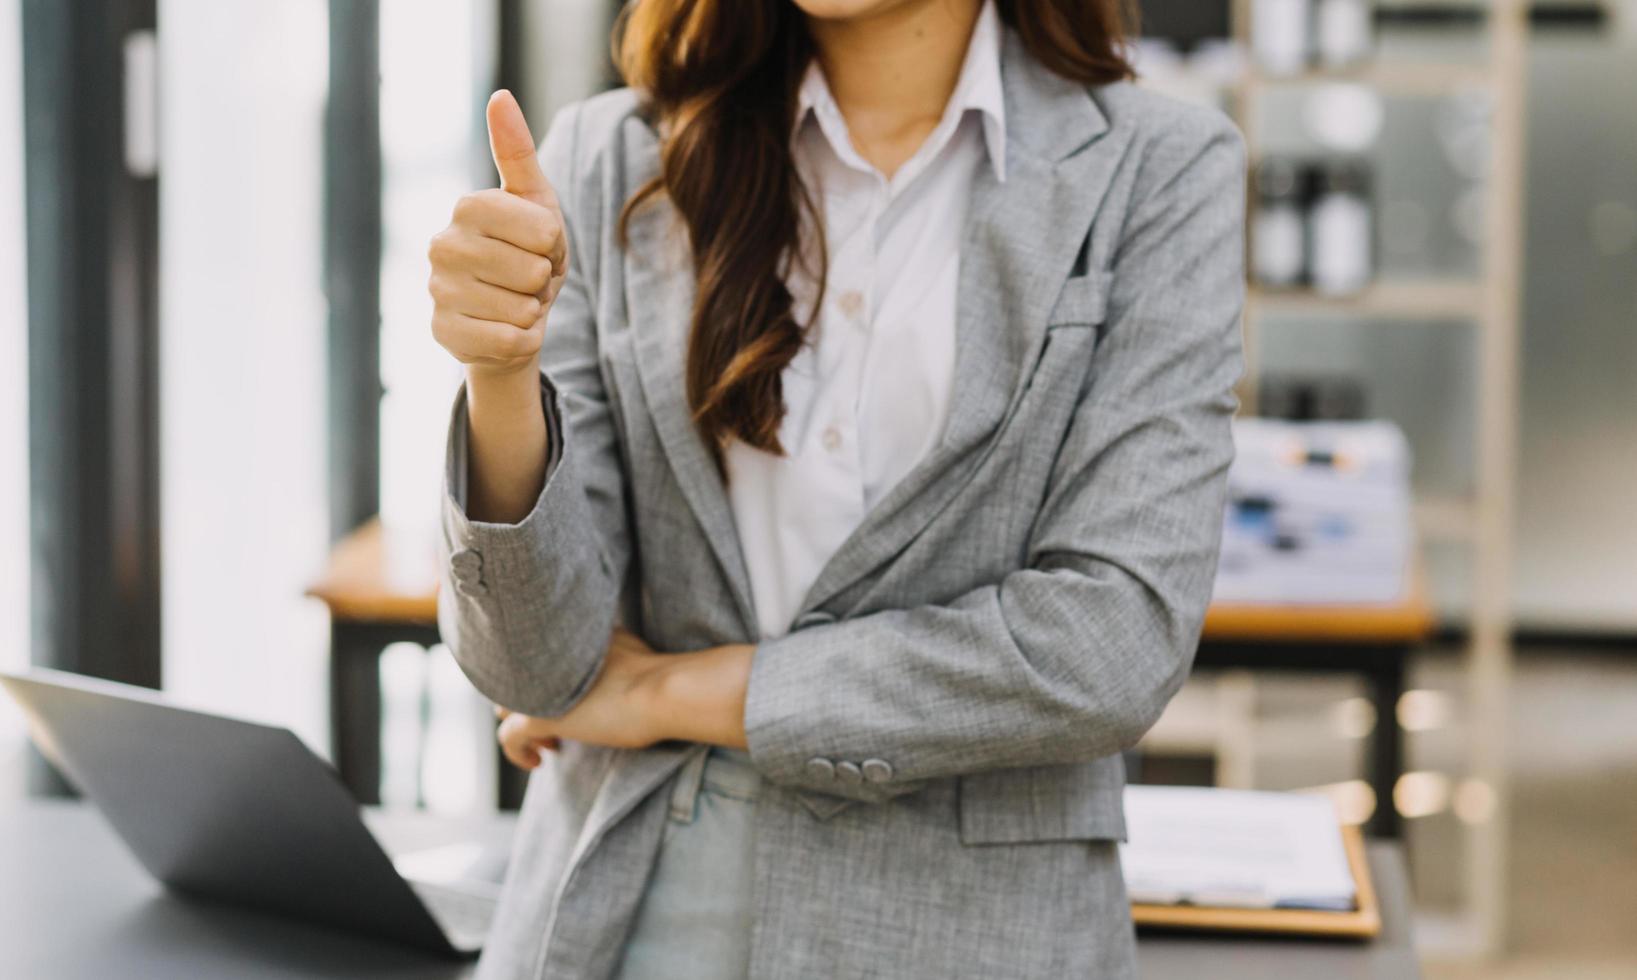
column 1573, row 842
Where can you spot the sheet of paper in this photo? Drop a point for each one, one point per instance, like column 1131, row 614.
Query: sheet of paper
column 1234, row 848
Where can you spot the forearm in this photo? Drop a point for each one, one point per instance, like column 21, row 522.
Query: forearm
column 508, row 443
column 641, row 698
column 700, row 697
column 1045, row 669
column 527, row 606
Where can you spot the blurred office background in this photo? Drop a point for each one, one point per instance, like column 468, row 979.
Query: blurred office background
column 215, row 363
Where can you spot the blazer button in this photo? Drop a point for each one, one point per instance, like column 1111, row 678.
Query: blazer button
column 821, row 768
column 467, row 568
column 849, row 772
column 877, row 770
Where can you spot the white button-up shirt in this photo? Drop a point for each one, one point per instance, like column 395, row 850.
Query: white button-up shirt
column 867, row 395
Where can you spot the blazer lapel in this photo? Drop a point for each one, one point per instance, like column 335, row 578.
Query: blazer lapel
column 1021, row 240
column 659, row 297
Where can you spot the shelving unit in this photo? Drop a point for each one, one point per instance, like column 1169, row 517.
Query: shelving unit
column 1411, row 299
column 1482, row 522
column 1389, row 78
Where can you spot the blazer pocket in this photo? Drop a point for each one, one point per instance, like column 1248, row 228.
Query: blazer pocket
column 1083, row 301
column 1084, row 801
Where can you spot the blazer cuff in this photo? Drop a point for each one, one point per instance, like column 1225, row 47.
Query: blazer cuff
column 791, row 743
column 499, row 547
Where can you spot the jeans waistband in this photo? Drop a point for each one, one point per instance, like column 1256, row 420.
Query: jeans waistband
column 727, row 772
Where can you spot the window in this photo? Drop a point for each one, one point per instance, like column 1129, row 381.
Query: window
column 431, row 111
column 433, row 86
column 242, row 341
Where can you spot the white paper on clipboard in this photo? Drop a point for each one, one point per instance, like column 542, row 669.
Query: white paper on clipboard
column 1234, row 849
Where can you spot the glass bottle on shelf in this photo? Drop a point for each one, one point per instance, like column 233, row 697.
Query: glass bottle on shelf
column 1340, row 229
column 1278, row 231
column 1343, row 33
column 1279, row 35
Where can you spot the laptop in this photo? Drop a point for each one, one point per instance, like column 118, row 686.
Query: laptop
column 233, row 811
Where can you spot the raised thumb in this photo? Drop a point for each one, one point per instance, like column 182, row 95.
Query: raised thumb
column 513, row 147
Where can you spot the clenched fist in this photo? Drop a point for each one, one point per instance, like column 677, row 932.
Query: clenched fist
column 502, row 260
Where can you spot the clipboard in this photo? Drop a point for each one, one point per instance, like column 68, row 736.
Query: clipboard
column 1361, row 923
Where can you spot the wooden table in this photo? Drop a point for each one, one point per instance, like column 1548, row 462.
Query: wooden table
column 381, row 587
column 1369, row 641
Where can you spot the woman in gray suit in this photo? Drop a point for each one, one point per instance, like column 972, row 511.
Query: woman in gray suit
column 836, row 486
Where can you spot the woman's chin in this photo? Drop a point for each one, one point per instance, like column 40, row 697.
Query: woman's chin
column 849, row 9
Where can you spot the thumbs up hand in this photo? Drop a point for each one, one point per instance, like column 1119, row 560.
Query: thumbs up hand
column 501, row 261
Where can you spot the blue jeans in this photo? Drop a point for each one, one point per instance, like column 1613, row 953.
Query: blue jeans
column 695, row 919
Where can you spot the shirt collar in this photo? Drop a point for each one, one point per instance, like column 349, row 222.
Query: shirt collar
column 978, row 89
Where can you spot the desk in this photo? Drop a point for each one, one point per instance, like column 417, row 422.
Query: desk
column 77, row 905
column 381, row 587
column 1370, row 641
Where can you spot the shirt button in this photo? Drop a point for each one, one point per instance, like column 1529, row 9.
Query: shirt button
column 851, row 303
column 832, row 438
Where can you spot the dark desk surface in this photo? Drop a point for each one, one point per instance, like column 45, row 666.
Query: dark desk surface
column 74, row 904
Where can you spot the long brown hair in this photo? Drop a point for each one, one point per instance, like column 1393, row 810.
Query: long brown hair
column 719, row 79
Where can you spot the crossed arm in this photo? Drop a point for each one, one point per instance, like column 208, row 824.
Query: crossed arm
column 642, row 697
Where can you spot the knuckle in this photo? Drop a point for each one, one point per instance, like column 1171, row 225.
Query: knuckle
column 551, row 225
column 471, row 206
column 444, row 248
column 528, row 311
column 522, row 343
column 538, row 273
column 442, row 331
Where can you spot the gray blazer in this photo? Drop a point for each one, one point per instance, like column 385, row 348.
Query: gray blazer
column 939, row 734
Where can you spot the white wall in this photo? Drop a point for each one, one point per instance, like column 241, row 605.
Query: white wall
column 14, row 619
column 242, row 356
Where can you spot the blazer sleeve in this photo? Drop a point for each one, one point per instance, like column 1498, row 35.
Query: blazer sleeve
column 1074, row 656
column 527, row 608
